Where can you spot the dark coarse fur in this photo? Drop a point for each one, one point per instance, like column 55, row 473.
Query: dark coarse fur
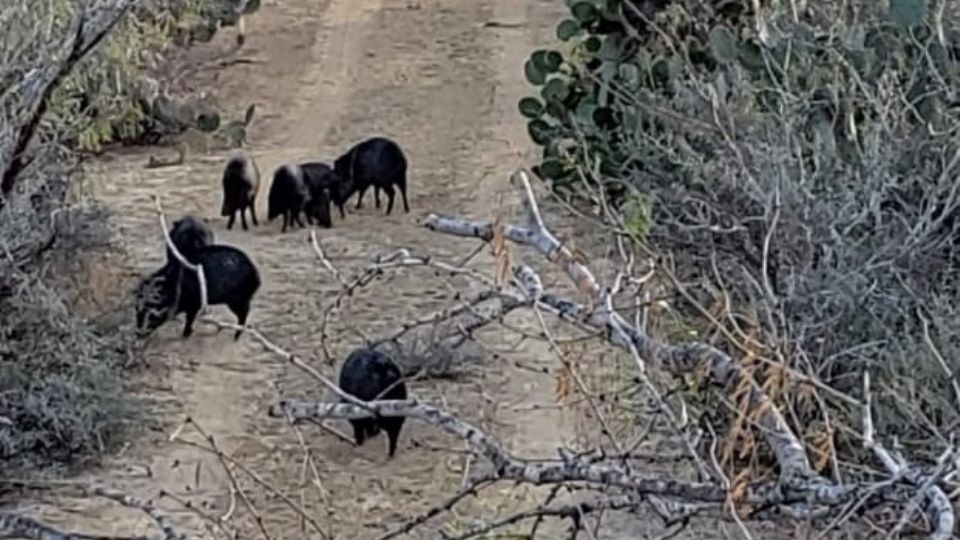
column 189, row 234
column 322, row 184
column 288, row 196
column 320, row 175
column 365, row 374
column 231, row 277
column 241, row 183
column 377, row 162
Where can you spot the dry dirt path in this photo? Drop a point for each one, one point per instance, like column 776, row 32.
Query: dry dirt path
column 431, row 75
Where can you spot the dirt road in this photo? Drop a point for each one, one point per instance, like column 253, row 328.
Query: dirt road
column 433, row 76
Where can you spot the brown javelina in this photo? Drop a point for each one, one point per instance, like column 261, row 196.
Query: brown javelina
column 320, row 175
column 288, row 196
column 231, row 277
column 376, row 162
column 189, row 234
column 241, row 183
column 366, row 374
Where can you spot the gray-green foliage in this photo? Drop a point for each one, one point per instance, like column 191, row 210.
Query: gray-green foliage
column 61, row 395
column 813, row 173
column 115, row 94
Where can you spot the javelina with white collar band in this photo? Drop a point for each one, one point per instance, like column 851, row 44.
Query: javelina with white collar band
column 241, row 183
column 288, row 196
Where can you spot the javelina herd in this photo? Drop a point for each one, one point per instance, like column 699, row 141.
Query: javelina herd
column 232, row 278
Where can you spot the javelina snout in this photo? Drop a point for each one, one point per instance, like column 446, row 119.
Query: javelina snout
column 288, row 196
column 231, row 279
column 377, row 162
column 189, row 235
column 241, row 183
column 319, row 177
column 366, row 374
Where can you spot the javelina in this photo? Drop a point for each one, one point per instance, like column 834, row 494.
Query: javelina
column 241, row 183
column 189, row 234
column 365, row 374
column 376, row 162
column 288, row 196
column 318, row 174
column 231, row 277
column 318, row 208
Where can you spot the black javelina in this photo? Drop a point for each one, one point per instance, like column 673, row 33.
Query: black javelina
column 288, row 196
column 189, row 234
column 365, row 374
column 320, row 175
column 376, row 162
column 231, row 277
column 241, row 183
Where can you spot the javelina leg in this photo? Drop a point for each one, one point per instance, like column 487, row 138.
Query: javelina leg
column 253, row 212
column 241, row 309
column 403, row 193
column 188, row 326
column 359, row 431
column 342, row 215
column 363, row 191
column 392, row 427
column 376, row 196
column 391, row 193
column 233, row 216
column 243, row 218
column 296, row 219
column 286, row 217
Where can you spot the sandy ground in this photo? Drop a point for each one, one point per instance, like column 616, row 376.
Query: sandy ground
column 431, row 75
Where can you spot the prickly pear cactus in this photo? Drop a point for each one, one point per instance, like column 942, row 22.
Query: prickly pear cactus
column 614, row 57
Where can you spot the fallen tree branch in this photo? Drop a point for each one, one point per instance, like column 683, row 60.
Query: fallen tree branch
column 796, row 473
column 15, row 526
column 195, row 268
column 676, row 359
column 19, row 526
column 579, row 468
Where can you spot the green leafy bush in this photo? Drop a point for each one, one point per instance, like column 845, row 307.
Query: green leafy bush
column 804, row 162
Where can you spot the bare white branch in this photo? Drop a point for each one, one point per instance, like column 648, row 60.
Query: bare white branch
column 195, row 268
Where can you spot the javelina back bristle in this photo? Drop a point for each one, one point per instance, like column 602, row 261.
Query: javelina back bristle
column 377, row 162
column 319, row 176
column 370, row 375
column 231, row 279
column 189, row 234
column 241, row 184
column 288, row 196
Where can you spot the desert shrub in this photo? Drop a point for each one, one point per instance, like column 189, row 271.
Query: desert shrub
column 800, row 163
column 121, row 94
column 63, row 393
